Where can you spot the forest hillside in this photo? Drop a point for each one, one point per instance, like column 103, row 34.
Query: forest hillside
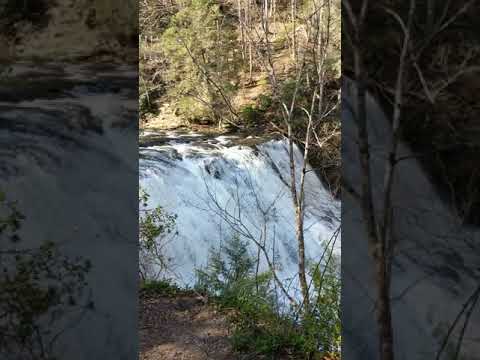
column 231, row 66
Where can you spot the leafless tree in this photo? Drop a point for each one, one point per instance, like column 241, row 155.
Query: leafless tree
column 259, row 217
column 381, row 240
column 317, row 32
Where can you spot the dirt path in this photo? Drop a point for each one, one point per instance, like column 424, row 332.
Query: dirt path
column 182, row 327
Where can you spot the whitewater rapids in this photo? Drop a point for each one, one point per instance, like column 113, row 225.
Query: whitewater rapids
column 199, row 178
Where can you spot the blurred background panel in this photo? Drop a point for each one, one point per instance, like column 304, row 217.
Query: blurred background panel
column 69, row 179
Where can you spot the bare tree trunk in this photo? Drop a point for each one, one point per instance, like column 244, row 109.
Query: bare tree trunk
column 274, row 11
column 384, row 309
column 294, row 30
column 323, row 42
column 376, row 243
column 298, row 197
column 242, row 28
column 430, row 15
column 301, row 260
column 250, row 45
column 267, row 61
column 265, row 19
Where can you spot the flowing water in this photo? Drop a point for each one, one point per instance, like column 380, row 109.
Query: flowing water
column 217, row 188
column 68, row 156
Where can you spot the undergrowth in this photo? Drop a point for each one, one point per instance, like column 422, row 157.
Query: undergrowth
column 260, row 323
column 165, row 288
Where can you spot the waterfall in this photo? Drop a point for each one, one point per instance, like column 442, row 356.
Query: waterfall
column 197, row 179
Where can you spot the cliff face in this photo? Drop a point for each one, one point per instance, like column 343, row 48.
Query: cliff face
column 67, row 30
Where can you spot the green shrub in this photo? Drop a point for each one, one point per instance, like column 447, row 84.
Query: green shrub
column 227, row 268
column 324, row 326
column 258, row 323
column 41, row 288
column 250, row 115
column 146, row 105
column 264, row 102
column 156, row 228
column 194, row 111
column 160, row 288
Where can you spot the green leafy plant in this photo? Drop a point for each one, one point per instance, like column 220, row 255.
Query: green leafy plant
column 146, row 105
column 259, row 324
column 251, row 115
column 324, row 326
column 40, row 288
column 264, row 102
column 164, row 287
column 199, row 44
column 227, row 270
column 156, row 227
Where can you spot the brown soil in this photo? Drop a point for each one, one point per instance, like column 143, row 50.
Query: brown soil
column 182, row 327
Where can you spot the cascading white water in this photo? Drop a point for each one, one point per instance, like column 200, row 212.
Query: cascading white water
column 197, row 179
